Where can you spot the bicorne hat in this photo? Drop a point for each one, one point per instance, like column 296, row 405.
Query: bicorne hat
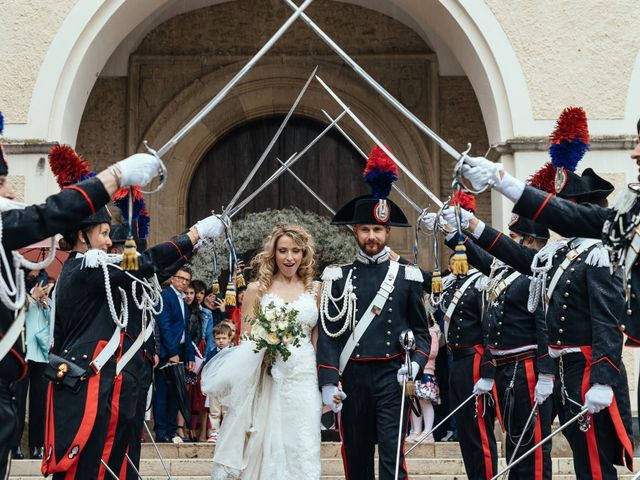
column 377, row 208
column 527, row 227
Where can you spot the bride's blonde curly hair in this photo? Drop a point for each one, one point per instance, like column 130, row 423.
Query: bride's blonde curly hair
column 265, row 261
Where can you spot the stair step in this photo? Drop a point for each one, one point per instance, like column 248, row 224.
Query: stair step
column 332, row 469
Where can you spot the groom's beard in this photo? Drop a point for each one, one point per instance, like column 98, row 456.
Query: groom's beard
column 7, row 204
column 372, row 248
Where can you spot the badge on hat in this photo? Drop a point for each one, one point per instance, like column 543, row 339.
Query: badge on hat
column 514, row 219
column 381, row 211
column 560, row 179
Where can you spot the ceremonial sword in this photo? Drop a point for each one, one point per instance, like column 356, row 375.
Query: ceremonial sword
column 270, row 146
column 379, row 88
column 155, row 445
column 540, row 443
column 526, row 426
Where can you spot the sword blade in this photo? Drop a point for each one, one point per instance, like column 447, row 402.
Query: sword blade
column 526, row 426
column 424, row 436
column 400, row 428
column 540, row 443
column 375, row 139
column 293, row 159
column 238, row 76
column 108, row 469
column 271, row 144
column 413, row 204
column 155, row 445
column 133, row 465
column 376, row 86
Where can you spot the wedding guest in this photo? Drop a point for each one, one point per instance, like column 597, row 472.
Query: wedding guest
column 213, row 303
column 223, row 338
column 200, row 318
column 428, row 392
column 174, row 346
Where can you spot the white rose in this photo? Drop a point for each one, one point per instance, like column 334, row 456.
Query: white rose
column 270, row 314
column 272, row 339
column 287, row 338
column 281, row 325
column 258, row 332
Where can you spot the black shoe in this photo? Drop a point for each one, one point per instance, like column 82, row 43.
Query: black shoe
column 37, row 453
column 17, row 453
column 162, row 439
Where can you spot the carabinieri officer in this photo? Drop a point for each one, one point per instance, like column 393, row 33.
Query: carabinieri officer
column 365, row 306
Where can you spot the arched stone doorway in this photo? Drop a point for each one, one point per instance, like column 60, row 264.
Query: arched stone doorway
column 331, row 168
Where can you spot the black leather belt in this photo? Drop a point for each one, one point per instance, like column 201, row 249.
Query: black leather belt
column 516, row 357
column 461, row 352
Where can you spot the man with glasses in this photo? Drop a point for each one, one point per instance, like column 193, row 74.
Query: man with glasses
column 174, row 345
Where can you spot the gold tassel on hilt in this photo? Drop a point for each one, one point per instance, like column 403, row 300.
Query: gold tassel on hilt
column 436, row 282
column 460, row 262
column 410, row 389
column 240, row 281
column 215, row 287
column 129, row 255
column 230, row 294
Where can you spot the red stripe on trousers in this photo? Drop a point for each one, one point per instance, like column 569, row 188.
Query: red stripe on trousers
column 86, row 427
column 592, row 445
column 113, row 423
column 537, row 432
column 488, row 464
column 342, row 450
column 498, row 411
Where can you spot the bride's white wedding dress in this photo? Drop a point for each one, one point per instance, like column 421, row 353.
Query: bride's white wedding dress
column 272, row 427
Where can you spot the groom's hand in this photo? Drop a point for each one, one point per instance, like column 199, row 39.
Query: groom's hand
column 332, row 397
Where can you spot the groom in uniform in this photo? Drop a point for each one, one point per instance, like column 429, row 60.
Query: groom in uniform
column 366, row 305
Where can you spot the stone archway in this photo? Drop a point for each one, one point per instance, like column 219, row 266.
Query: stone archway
column 270, row 90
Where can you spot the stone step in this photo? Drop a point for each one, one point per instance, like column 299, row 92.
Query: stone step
column 327, row 450
column 331, row 467
column 333, row 477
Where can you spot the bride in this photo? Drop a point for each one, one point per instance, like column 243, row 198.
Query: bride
column 271, row 428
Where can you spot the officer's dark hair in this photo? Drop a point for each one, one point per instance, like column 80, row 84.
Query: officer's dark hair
column 69, row 239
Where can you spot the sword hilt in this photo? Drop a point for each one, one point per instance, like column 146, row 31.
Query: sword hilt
column 458, row 179
column 162, row 171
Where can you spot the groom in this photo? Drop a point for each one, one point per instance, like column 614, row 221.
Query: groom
column 358, row 343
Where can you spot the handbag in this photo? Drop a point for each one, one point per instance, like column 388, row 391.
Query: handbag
column 67, row 374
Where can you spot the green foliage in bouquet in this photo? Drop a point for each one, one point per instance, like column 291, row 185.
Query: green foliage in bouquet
column 275, row 330
column 333, row 244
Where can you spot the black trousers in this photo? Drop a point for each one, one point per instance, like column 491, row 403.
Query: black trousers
column 146, row 378
column 8, row 426
column 608, row 440
column 123, row 416
column 370, row 415
column 515, row 386
column 38, row 385
column 475, row 431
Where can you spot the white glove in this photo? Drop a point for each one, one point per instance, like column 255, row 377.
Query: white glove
column 402, row 373
column 449, row 215
column 428, row 222
column 481, row 172
column 544, row 387
column 138, row 169
column 210, row 227
column 330, row 391
column 598, row 397
column 482, row 386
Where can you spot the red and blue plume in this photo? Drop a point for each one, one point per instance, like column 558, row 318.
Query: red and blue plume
column 68, row 166
column 121, row 200
column 544, row 179
column 570, row 139
column 380, row 173
column 465, row 200
column 143, row 224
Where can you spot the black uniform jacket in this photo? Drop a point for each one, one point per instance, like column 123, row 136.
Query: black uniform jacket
column 510, row 324
column 403, row 310
column 24, row 227
column 82, row 312
column 584, row 307
column 583, row 220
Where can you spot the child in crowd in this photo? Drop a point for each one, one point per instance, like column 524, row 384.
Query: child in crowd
column 428, row 392
column 223, row 338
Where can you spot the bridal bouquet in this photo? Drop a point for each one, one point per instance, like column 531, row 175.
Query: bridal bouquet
column 275, row 329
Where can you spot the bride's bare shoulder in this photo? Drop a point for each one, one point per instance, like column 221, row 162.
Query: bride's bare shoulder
column 252, row 288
